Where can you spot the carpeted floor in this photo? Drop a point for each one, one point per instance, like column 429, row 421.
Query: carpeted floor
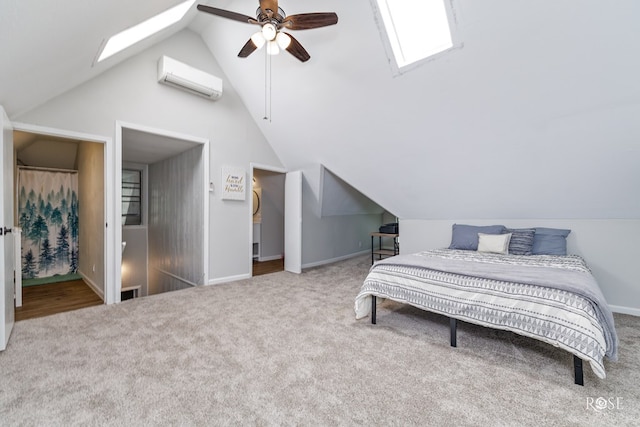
column 285, row 349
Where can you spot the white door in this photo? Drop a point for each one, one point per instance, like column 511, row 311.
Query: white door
column 6, row 224
column 293, row 222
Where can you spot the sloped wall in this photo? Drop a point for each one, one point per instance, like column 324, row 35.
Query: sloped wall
column 533, row 117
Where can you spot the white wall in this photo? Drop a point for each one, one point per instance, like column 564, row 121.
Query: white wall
column 130, row 93
column 610, row 248
column 335, row 237
column 176, row 210
column 91, row 196
column 340, row 198
column 345, row 229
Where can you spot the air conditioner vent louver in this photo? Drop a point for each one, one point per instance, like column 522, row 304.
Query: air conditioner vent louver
column 185, row 77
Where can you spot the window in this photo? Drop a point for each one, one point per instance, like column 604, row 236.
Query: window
column 141, row 31
column 415, row 30
column 131, row 197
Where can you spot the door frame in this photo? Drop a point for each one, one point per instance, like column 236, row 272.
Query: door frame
column 252, row 168
column 109, row 232
column 287, row 220
column 206, row 160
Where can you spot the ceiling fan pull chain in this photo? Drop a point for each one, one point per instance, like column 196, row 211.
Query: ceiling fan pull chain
column 267, row 87
column 266, row 58
column 270, row 89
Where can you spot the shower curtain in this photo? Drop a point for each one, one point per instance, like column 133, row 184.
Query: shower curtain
column 48, row 215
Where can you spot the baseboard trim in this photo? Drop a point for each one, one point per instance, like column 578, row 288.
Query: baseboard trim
column 269, row 258
column 625, row 310
column 332, row 260
column 228, row 279
column 95, row 288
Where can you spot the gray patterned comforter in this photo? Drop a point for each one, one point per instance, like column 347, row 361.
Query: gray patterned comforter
column 554, row 299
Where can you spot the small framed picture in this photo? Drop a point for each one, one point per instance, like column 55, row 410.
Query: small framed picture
column 234, row 184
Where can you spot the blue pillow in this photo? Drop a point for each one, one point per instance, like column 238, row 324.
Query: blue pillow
column 521, row 242
column 465, row 237
column 550, row 241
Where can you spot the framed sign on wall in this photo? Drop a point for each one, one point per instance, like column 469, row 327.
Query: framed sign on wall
column 233, row 183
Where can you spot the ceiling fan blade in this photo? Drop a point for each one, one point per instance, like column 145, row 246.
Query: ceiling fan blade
column 296, row 49
column 269, row 5
column 306, row 21
column 247, row 49
column 227, row 14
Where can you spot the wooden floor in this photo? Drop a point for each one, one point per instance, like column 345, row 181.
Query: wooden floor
column 45, row 300
column 266, row 267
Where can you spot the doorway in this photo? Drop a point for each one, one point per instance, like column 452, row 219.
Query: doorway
column 268, row 206
column 62, row 251
column 164, row 207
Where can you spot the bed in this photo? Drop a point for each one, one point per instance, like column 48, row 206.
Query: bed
column 549, row 297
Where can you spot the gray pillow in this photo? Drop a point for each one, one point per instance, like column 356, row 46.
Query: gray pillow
column 465, row 237
column 521, row 242
column 550, row 241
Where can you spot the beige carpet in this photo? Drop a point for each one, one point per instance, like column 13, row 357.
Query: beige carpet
column 284, row 349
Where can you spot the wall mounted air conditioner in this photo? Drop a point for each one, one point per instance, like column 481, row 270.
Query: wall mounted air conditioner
column 185, row 77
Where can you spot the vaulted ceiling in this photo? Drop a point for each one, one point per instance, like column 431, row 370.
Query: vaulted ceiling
column 534, row 115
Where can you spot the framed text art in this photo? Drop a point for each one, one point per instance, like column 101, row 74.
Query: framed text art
column 233, row 183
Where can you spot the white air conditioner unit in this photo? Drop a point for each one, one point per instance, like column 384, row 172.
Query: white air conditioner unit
column 183, row 76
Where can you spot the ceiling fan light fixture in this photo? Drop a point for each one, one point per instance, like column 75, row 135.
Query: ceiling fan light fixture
column 269, row 32
column 272, row 48
column 258, row 39
column 283, row 40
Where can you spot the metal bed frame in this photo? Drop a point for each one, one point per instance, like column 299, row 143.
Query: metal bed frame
column 453, row 327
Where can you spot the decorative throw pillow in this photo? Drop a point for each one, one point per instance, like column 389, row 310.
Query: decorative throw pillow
column 521, row 240
column 466, row 236
column 495, row 243
column 550, row 241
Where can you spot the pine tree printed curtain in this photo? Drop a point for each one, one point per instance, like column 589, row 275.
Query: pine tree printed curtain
column 48, row 215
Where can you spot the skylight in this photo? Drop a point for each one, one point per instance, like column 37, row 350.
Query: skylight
column 415, row 29
column 141, row 31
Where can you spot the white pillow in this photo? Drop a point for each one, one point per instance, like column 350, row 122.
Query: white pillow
column 494, row 243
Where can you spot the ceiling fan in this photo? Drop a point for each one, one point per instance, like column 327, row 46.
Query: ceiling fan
column 273, row 19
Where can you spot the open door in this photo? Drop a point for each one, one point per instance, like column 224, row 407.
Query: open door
column 293, row 222
column 7, row 260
